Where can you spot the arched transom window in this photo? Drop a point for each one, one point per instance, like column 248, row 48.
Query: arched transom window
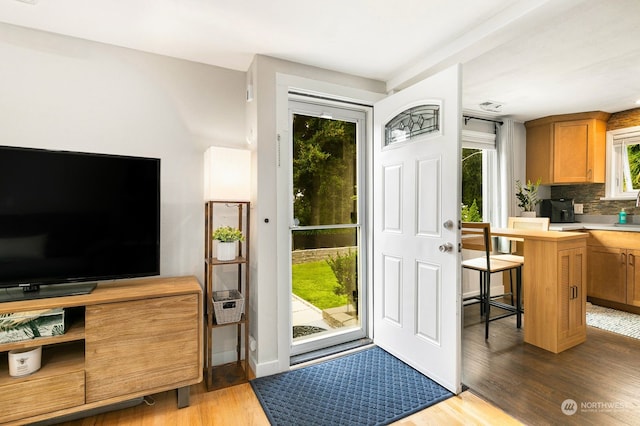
column 411, row 123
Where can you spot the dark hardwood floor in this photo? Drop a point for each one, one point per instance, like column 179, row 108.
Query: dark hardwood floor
column 601, row 375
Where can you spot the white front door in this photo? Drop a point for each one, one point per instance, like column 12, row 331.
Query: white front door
column 416, row 279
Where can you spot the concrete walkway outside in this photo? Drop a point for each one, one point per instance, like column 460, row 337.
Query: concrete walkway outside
column 305, row 313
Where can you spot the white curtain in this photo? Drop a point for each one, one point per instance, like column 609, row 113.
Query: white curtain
column 506, row 139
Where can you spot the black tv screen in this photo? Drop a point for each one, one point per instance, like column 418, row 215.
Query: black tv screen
column 74, row 217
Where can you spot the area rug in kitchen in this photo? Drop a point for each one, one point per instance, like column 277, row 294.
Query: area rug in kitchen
column 620, row 322
column 370, row 387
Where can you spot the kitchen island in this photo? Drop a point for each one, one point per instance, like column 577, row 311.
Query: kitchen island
column 554, row 284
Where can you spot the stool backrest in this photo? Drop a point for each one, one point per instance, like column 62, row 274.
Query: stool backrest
column 540, row 223
column 476, row 236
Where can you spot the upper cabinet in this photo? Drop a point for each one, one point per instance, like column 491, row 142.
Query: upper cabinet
column 567, row 149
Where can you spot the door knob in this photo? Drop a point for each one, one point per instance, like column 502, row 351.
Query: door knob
column 446, row 247
column 448, row 224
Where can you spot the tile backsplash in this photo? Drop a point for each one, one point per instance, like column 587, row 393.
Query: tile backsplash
column 589, row 196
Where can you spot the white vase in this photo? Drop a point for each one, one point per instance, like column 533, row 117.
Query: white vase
column 528, row 214
column 226, row 251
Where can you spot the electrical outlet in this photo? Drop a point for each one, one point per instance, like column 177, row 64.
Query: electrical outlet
column 578, row 208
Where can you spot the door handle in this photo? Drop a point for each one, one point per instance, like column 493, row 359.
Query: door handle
column 448, row 225
column 573, row 292
column 445, row 248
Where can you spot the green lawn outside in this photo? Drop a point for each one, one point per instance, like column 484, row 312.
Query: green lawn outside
column 314, row 282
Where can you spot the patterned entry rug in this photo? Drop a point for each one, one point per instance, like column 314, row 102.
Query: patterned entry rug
column 370, row 387
column 620, row 322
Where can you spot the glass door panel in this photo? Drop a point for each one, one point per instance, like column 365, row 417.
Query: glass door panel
column 324, row 280
column 326, row 259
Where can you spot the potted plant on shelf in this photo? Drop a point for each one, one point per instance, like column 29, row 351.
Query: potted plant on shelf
column 227, row 238
column 527, row 196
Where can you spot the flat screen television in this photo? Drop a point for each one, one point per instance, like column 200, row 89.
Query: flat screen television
column 70, row 219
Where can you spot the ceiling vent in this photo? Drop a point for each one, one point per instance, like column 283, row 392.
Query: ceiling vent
column 491, row 106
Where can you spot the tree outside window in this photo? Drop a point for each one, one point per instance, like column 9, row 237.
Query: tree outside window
column 471, row 185
column 631, row 167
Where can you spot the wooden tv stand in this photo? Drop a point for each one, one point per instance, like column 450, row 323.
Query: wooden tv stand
column 126, row 339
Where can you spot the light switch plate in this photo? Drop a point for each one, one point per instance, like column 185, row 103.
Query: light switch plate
column 578, row 208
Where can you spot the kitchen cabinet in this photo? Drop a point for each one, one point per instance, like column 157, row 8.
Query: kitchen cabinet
column 567, row 149
column 614, row 267
column 633, row 277
column 572, row 286
column 607, row 273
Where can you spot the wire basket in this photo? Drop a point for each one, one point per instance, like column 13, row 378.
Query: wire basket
column 228, row 306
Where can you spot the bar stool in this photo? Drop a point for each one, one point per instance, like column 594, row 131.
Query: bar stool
column 477, row 236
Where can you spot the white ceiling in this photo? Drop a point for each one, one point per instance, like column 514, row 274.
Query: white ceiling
column 536, row 57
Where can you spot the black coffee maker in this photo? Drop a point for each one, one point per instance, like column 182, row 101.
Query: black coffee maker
column 559, row 210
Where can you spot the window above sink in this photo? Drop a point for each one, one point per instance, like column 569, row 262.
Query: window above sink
column 623, row 164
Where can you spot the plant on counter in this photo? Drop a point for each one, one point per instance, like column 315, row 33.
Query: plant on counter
column 227, row 234
column 527, row 195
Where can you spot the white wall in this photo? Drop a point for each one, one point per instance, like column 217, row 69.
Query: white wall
column 58, row 92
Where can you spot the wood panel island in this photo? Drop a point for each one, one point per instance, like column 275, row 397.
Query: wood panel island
column 554, row 282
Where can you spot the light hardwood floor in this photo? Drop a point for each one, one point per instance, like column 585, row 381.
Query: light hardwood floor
column 528, row 382
column 238, row 405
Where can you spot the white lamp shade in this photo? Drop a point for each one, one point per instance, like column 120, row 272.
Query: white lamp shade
column 227, row 174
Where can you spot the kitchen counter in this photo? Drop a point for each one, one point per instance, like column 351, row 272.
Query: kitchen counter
column 598, row 222
column 535, row 234
column 579, row 226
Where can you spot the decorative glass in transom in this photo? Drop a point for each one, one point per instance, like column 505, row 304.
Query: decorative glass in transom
column 411, row 123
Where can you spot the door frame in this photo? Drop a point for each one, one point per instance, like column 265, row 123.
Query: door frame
column 279, row 360
column 286, row 83
column 302, row 104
